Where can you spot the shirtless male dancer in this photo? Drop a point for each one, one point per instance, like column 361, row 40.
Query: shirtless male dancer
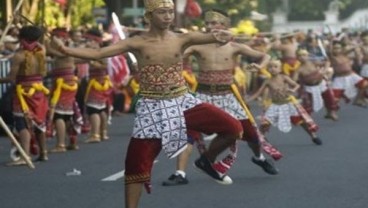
column 98, row 100
column 288, row 48
column 30, row 105
column 216, row 75
column 63, row 107
column 346, row 83
column 316, row 93
column 285, row 109
column 165, row 111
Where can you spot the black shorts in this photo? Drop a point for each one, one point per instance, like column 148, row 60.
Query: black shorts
column 62, row 116
column 20, row 123
column 92, row 110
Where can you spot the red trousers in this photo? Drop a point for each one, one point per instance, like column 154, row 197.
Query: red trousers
column 204, row 118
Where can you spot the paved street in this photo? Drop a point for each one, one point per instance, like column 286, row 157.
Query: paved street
column 330, row 176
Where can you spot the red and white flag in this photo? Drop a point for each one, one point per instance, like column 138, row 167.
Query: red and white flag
column 117, row 66
column 118, row 69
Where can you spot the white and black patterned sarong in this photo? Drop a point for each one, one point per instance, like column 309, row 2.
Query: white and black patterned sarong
column 226, row 102
column 364, row 71
column 347, row 83
column 164, row 119
column 316, row 92
column 279, row 116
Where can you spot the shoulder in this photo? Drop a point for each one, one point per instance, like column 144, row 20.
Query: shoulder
column 42, row 47
column 236, row 45
column 239, row 46
column 267, row 82
column 192, row 35
column 284, row 76
column 18, row 56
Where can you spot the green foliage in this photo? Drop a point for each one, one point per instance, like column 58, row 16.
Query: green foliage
column 78, row 11
column 82, row 11
column 313, row 9
column 354, row 5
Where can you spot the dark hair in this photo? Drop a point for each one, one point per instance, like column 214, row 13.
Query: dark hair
column 72, row 32
column 95, row 32
column 337, row 42
column 60, row 29
column 364, row 33
column 30, row 33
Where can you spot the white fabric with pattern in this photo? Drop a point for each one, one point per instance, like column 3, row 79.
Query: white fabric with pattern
column 164, row 119
column 227, row 102
column 316, row 92
column 347, row 83
column 279, row 116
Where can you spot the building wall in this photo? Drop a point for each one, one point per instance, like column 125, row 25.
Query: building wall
column 357, row 21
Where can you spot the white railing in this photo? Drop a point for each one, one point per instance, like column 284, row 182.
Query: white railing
column 4, row 70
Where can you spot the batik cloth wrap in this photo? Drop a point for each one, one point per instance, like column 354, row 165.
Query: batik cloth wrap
column 364, row 71
column 159, row 112
column 226, row 102
column 348, row 84
column 220, row 95
column 99, row 89
column 31, row 99
column 64, row 91
column 214, row 86
column 316, row 94
column 279, row 115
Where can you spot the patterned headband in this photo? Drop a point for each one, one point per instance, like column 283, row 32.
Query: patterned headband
column 151, row 5
column 302, row 52
column 216, row 16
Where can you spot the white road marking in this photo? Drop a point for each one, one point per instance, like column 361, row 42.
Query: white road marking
column 209, row 137
column 118, row 175
column 115, row 177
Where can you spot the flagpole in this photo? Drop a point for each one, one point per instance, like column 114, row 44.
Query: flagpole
column 118, row 27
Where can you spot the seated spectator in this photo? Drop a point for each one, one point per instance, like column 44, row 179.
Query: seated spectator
column 10, row 45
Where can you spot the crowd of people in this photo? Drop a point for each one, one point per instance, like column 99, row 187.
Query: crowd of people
column 292, row 76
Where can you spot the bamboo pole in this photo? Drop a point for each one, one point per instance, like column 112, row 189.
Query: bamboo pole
column 20, row 2
column 16, row 143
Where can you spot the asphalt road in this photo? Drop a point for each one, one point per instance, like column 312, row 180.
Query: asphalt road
column 333, row 175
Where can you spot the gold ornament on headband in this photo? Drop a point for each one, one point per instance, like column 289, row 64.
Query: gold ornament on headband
column 217, row 17
column 303, row 52
column 151, row 5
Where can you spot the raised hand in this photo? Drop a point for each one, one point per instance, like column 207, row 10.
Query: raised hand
column 253, row 67
column 223, row 36
column 57, row 44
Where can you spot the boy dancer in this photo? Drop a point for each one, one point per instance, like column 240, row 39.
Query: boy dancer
column 216, row 75
column 284, row 109
column 64, row 111
column 316, row 93
column 165, row 110
column 28, row 67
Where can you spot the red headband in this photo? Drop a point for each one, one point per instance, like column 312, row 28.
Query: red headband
column 60, row 33
column 93, row 37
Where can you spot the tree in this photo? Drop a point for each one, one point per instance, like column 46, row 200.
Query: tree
column 313, row 9
column 62, row 13
column 73, row 14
